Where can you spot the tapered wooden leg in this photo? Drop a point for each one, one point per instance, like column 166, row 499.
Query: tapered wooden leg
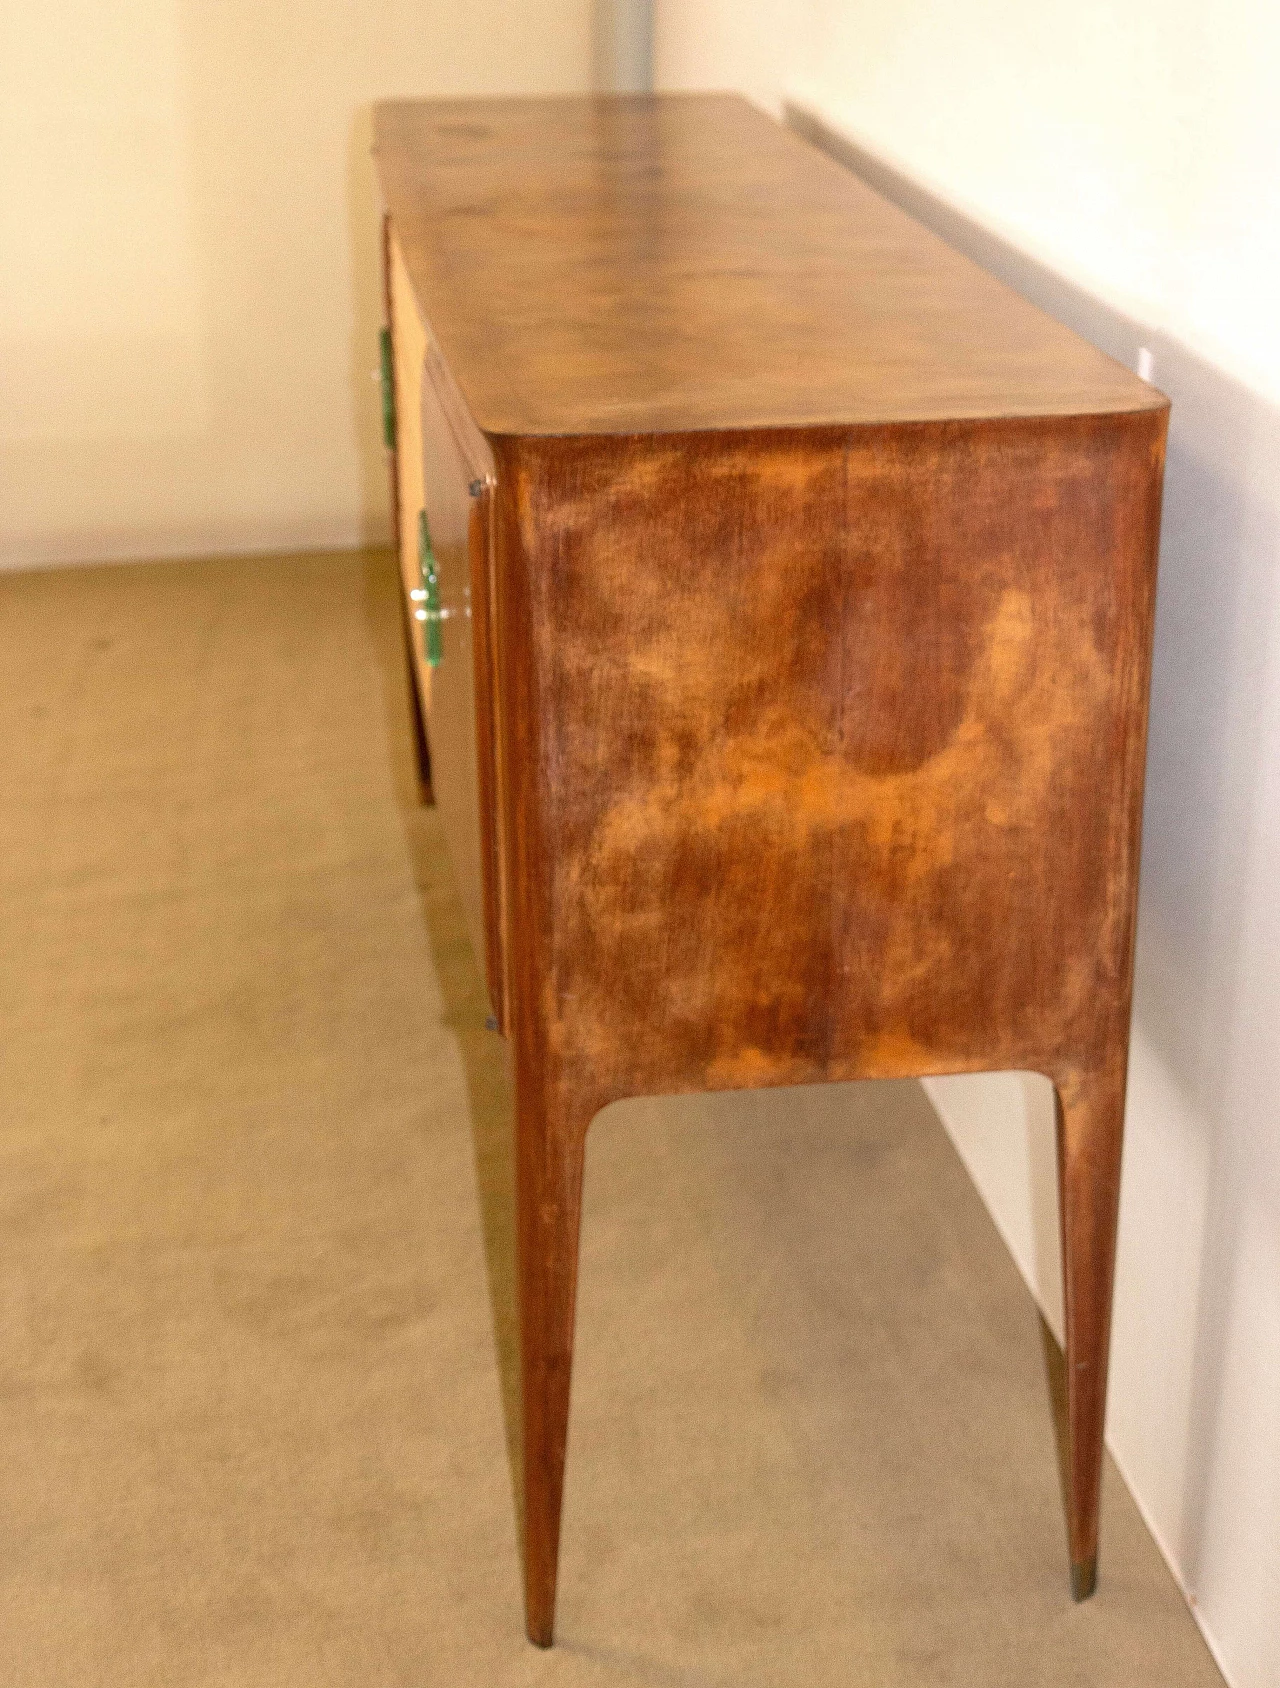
column 1090, row 1128
column 551, row 1139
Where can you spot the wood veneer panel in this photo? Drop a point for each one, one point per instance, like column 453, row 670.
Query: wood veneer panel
column 838, row 741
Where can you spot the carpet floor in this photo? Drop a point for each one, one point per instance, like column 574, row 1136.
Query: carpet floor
column 258, row 1374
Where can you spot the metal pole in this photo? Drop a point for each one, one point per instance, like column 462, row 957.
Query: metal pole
column 623, row 46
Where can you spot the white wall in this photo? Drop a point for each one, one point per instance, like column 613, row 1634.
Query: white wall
column 1119, row 164
column 188, row 258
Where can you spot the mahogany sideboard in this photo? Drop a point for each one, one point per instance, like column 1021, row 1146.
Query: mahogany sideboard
column 780, row 592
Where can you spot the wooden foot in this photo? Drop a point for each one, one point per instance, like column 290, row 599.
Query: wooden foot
column 1090, row 1127
column 1084, row 1578
column 551, row 1141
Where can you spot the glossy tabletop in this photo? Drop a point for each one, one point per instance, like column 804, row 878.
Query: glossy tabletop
column 669, row 262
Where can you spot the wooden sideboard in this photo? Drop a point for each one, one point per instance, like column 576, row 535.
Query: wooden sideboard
column 783, row 611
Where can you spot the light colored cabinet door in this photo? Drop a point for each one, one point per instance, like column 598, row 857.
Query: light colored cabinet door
column 445, row 488
column 452, row 519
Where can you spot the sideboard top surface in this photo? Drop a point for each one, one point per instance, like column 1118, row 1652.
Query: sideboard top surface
column 664, row 263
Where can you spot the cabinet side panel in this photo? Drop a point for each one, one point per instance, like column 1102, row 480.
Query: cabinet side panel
column 839, row 746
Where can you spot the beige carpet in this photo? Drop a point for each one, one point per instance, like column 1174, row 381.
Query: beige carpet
column 256, row 1333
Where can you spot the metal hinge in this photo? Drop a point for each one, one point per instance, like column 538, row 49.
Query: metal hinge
column 388, row 390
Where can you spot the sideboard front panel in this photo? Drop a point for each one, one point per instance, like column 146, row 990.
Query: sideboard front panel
column 436, row 477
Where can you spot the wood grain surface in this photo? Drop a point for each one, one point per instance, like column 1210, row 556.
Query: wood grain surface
column 620, row 265
column 818, row 588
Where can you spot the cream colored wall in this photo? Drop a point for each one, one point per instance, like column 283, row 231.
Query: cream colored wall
column 1133, row 145
column 188, row 258
column 1118, row 163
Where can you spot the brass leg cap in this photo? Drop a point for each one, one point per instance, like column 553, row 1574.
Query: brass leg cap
column 1084, row 1577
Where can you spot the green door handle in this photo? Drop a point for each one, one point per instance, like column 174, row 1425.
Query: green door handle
column 427, row 596
column 388, row 390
